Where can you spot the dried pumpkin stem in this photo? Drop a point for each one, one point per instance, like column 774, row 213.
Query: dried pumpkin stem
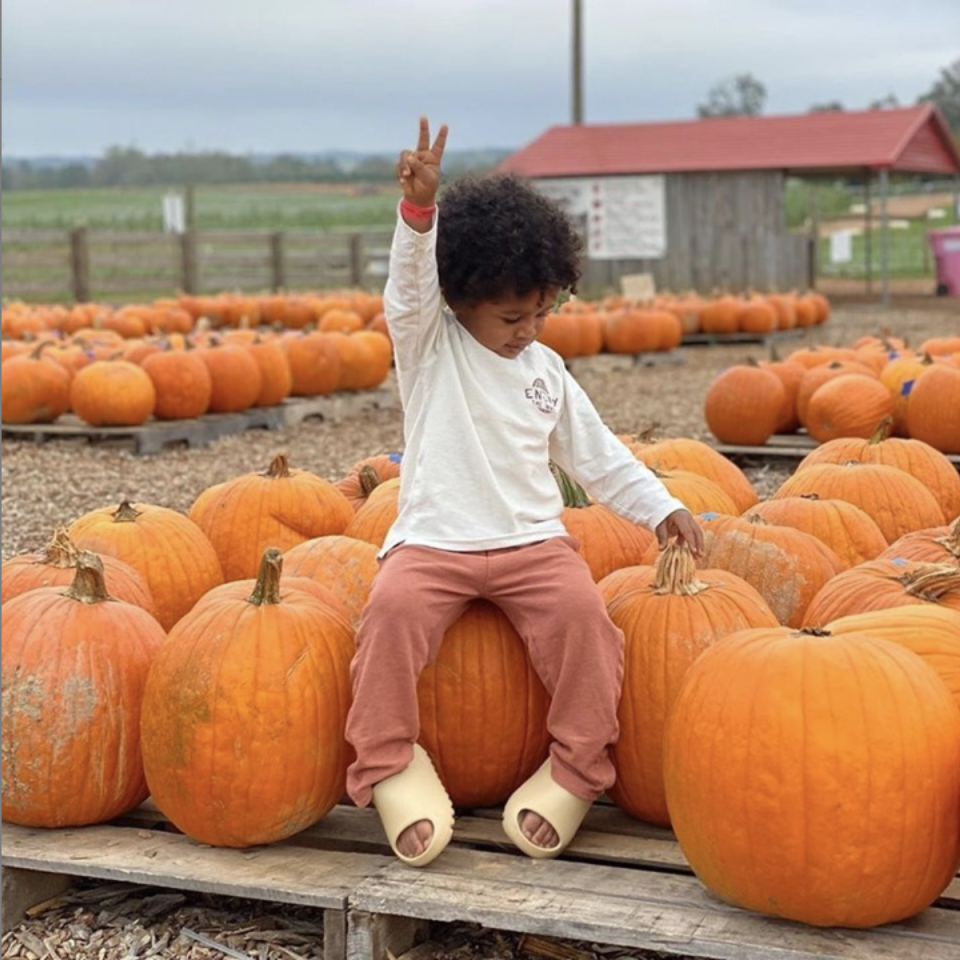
column 369, row 479
column 279, row 467
column 573, row 494
column 267, row 587
column 126, row 513
column 931, row 581
column 676, row 572
column 60, row 551
column 88, row 585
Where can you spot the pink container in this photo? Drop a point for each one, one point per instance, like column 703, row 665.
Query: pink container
column 946, row 253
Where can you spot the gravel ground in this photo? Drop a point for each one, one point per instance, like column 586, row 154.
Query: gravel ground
column 49, row 484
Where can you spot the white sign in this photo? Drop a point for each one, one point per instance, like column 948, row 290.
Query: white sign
column 624, row 217
column 841, row 246
column 174, row 218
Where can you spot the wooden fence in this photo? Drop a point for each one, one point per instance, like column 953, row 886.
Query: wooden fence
column 113, row 266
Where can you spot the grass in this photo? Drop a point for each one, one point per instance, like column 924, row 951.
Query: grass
column 246, row 207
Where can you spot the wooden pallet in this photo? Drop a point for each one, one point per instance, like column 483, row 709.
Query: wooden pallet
column 153, row 436
column 784, row 446
column 717, row 339
column 608, row 362
column 622, row 883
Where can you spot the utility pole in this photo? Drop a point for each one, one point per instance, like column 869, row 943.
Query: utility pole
column 577, row 64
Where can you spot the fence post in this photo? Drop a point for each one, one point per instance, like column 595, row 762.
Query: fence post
column 278, row 266
column 188, row 261
column 80, row 264
column 356, row 260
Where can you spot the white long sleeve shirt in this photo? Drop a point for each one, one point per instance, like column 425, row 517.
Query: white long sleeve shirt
column 480, row 429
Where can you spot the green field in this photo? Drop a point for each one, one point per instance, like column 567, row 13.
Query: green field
column 246, row 207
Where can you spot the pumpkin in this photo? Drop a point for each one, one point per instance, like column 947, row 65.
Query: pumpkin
column 936, row 545
column 314, row 363
column 848, row 406
column 373, row 520
column 919, row 459
column 112, row 393
column 607, row 540
column 483, row 710
column 182, row 384
column 35, row 388
column 278, row 507
column 849, row 532
column 931, row 632
column 234, row 375
column 686, row 453
column 166, row 548
column 343, row 564
column 669, row 615
column 55, row 566
column 933, row 409
column 817, row 376
column 365, row 475
column 814, row 777
column 244, row 713
column 785, row 565
column 743, row 404
column 897, row 502
column 880, row 584
column 75, row 662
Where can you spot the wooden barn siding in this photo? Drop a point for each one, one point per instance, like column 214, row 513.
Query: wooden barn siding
column 724, row 231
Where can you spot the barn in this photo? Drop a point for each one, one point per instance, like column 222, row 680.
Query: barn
column 700, row 204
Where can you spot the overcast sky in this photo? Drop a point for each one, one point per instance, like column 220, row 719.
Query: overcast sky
column 80, row 76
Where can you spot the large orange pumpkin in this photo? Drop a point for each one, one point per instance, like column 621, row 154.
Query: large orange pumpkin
column 669, row 615
column 75, row 662
column 816, row 778
column 244, row 713
column 278, row 507
column 935, row 545
column 167, row 548
column 483, row 710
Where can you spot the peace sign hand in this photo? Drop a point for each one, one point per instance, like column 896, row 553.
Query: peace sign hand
column 419, row 170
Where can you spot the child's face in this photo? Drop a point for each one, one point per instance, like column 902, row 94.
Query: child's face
column 509, row 325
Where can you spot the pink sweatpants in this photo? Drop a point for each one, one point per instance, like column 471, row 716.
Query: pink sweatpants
column 546, row 591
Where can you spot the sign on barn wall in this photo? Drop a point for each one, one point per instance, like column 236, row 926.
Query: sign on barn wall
column 623, row 217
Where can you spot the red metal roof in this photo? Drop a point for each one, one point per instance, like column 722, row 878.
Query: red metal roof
column 908, row 139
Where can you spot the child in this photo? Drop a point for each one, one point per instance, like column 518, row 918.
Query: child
column 486, row 409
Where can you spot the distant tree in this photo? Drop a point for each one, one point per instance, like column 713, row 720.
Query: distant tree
column 945, row 93
column 828, row 106
column 888, row 102
column 740, row 96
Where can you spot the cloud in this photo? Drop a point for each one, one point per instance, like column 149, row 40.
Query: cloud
column 83, row 75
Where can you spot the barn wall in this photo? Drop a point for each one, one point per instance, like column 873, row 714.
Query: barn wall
column 724, row 231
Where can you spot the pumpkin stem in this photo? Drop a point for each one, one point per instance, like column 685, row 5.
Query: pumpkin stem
column 60, row 551
column 125, row 513
column 930, row 581
column 279, row 468
column 951, row 542
column 676, row 572
column 573, row 494
column 369, row 479
column 88, row 585
column 267, row 588
column 883, row 431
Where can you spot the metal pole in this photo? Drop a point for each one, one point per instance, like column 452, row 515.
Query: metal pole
column 884, row 240
column 577, row 65
column 868, row 233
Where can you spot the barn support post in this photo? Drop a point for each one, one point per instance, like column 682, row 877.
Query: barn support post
column 80, row 264
column 884, row 239
column 813, row 214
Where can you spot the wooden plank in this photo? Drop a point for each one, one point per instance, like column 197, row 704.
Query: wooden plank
column 282, row 872
column 716, row 339
column 23, row 889
column 785, row 447
column 665, row 912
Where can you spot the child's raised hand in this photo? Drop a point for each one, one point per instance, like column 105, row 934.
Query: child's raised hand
column 419, row 170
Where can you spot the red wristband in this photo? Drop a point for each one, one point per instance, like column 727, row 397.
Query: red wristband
column 414, row 212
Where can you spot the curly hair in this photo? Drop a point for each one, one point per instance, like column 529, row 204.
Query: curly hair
column 498, row 237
